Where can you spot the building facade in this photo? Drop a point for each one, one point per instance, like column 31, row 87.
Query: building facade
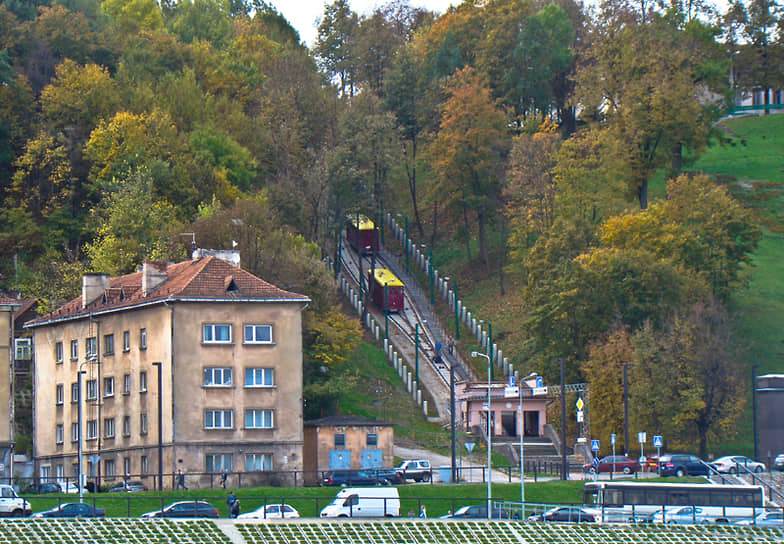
column 504, row 411
column 193, row 367
column 8, row 307
column 346, row 443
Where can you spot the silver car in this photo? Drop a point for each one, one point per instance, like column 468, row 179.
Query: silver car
column 771, row 518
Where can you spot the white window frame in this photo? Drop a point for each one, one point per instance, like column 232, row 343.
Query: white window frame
column 74, row 350
column 143, row 381
column 218, row 376
column 23, row 349
column 143, row 423
column 91, row 348
column 58, row 352
column 92, row 430
column 126, row 384
column 74, row 432
column 209, row 330
column 142, row 338
column 109, row 468
column 218, row 419
column 259, row 418
column 91, row 388
column 75, row 392
column 258, row 376
column 126, row 425
column 143, row 464
column 252, row 334
column 127, row 466
column 126, row 341
column 108, row 344
column 108, row 427
column 215, row 462
column 108, row 386
column 59, row 433
column 258, row 462
column 59, row 394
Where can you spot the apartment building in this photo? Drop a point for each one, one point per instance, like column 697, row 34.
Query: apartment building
column 8, row 307
column 193, row 367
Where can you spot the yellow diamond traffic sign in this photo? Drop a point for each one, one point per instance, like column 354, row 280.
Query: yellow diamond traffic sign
column 580, row 403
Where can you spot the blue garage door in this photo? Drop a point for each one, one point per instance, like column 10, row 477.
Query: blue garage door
column 372, row 459
column 339, row 459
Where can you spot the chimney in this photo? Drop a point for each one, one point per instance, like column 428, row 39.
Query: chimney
column 153, row 274
column 93, row 286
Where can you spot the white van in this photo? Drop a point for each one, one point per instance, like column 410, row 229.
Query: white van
column 11, row 504
column 366, row 502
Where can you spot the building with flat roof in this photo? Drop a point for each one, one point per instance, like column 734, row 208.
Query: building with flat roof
column 192, row 367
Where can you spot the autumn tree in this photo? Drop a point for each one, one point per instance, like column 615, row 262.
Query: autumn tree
column 651, row 83
column 337, row 33
column 468, row 151
column 702, row 398
column 700, row 226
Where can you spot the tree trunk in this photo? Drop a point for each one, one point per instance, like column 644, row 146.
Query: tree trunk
column 501, row 255
column 434, row 234
column 412, row 182
column 467, row 232
column 480, row 217
column 677, row 158
column 642, row 194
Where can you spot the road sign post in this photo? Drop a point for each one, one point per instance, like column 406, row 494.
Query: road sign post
column 657, row 443
column 612, row 441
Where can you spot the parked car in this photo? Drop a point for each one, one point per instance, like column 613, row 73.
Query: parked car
column 185, row 509
column 477, row 511
column 572, row 514
column 651, row 464
column 352, row 477
column 778, row 463
column 682, row 464
column 730, row 464
column 418, row 470
column 770, row 518
column 72, row 510
column 617, row 463
column 42, row 488
column 387, row 476
column 271, row 511
column 130, row 487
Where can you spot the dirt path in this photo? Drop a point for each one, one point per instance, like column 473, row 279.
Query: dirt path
column 473, row 474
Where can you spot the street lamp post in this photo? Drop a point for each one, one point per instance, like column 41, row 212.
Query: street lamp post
column 489, row 435
column 452, row 418
column 79, row 437
column 626, row 406
column 522, row 432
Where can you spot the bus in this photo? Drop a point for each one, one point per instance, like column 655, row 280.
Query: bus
column 639, row 501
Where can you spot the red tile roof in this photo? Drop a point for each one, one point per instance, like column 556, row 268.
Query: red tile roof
column 8, row 300
column 209, row 278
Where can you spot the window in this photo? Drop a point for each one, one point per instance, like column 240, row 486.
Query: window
column 143, row 423
column 257, row 334
column 74, row 432
column 91, row 348
column 58, row 352
column 214, row 376
column 92, row 389
column 218, row 461
column 75, row 392
column 108, row 387
column 143, row 464
column 126, row 341
column 58, row 433
column 74, row 350
column 59, row 394
column 92, row 429
column 109, row 468
column 258, row 419
column 23, row 349
column 108, row 344
column 371, row 440
column 216, row 333
column 126, row 425
column 59, row 471
column 259, row 377
column 340, row 440
column 258, row 461
column 217, row 419
column 143, row 339
column 143, row 381
column 127, row 466
column 108, row 427
column 126, row 384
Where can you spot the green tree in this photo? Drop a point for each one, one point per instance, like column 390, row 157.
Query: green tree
column 134, row 15
column 468, row 151
column 334, row 48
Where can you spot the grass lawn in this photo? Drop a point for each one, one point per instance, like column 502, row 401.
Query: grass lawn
column 309, row 500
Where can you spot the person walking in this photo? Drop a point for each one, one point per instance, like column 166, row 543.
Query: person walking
column 231, row 500
column 223, row 477
column 450, row 344
column 181, row 480
column 423, row 512
column 235, row 509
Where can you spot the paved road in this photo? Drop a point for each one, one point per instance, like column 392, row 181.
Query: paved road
column 438, row 460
